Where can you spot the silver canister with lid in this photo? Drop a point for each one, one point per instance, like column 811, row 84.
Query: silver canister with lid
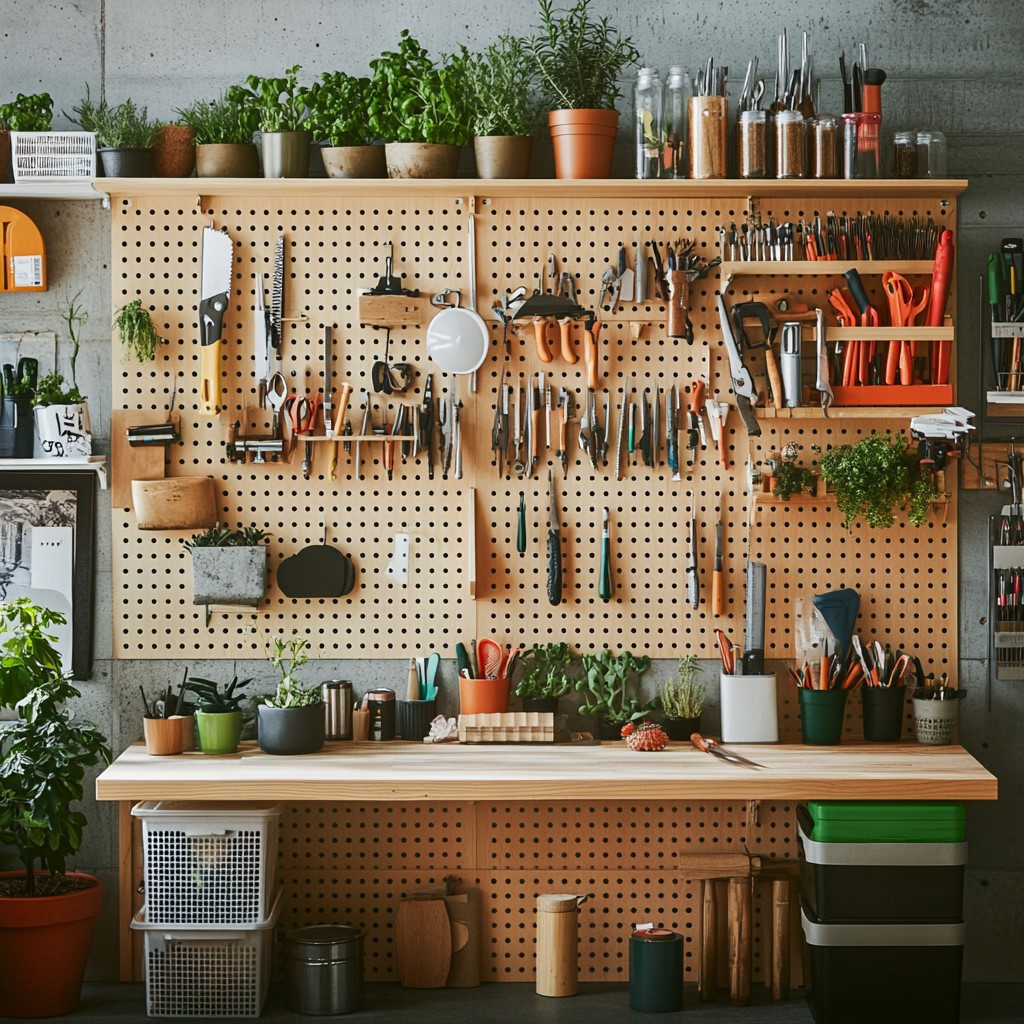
column 324, row 969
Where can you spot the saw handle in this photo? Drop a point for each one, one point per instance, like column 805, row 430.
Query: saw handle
column 543, row 352
column 209, row 379
column 590, row 336
column 566, row 345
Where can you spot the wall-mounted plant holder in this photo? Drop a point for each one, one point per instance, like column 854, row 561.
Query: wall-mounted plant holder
column 229, row 575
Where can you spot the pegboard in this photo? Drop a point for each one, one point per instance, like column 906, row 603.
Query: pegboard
column 466, row 578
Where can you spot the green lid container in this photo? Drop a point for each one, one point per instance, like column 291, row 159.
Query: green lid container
column 863, row 821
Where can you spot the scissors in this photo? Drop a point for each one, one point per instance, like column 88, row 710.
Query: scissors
column 903, row 311
column 713, row 747
column 302, row 412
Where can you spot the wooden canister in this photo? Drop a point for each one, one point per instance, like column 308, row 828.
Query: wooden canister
column 558, row 943
column 708, row 136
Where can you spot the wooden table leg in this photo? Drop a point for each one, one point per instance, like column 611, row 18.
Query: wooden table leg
column 708, row 978
column 740, row 947
column 780, row 940
column 125, row 897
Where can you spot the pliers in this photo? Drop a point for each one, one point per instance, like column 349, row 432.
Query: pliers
column 610, row 285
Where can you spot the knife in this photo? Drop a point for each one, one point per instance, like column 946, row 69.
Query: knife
column 692, row 572
column 218, row 255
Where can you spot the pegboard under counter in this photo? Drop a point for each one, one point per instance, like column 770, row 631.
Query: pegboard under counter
column 465, row 576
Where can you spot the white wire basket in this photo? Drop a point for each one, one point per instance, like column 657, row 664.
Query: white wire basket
column 53, row 156
column 208, row 864
column 207, row 972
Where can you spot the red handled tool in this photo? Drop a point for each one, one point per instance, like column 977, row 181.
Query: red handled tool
column 710, row 746
column 937, row 306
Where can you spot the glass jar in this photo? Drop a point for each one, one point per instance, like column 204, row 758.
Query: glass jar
column 708, row 135
column 931, row 155
column 790, row 145
column 648, row 102
column 678, row 90
column 752, row 144
column 861, row 145
column 904, row 155
column 823, row 146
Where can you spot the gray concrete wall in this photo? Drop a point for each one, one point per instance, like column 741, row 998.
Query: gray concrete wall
column 954, row 67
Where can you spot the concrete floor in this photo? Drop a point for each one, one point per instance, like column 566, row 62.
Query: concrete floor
column 516, row 1004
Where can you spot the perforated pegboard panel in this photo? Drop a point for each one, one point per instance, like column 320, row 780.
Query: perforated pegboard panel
column 337, row 246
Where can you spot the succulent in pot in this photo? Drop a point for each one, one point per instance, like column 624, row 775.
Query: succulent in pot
column 291, row 720
column 339, row 120
column 682, row 699
column 544, row 676
column 229, row 566
column 223, row 131
column 218, row 713
column 282, row 106
column 610, row 683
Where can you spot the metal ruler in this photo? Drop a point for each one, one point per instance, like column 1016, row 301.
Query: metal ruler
column 757, row 584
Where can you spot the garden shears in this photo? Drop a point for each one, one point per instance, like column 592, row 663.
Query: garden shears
column 710, row 746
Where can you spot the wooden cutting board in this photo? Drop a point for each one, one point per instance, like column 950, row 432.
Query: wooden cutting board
column 423, row 942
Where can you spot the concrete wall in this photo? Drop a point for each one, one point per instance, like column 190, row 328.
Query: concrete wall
column 954, row 67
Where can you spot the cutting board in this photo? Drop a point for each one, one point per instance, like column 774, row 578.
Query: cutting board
column 423, row 942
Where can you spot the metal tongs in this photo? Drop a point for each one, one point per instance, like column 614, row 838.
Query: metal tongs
column 713, row 747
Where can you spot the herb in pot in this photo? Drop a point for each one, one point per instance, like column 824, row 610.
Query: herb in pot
column 125, row 127
column 33, row 113
column 503, row 85
column 338, row 110
column 53, row 390
column 218, row 536
column 544, row 671
column 280, row 102
column 683, row 697
column 88, row 114
column 136, row 331
column 230, row 120
column 607, row 682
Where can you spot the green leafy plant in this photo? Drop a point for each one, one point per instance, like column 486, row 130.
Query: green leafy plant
column 54, row 390
column 338, row 111
column 579, row 58
column 125, row 127
column 875, row 477
column 544, row 671
column 214, row 698
column 607, row 680
column 135, row 328
column 287, row 656
column 218, row 536
column 22, row 385
column 233, row 118
column 88, row 114
column 33, row 113
column 503, row 86
column 412, row 99
column 791, row 478
column 683, row 696
column 280, row 102
column 76, row 317
column 45, row 752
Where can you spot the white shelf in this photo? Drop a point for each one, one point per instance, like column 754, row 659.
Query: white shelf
column 80, row 189
column 96, row 463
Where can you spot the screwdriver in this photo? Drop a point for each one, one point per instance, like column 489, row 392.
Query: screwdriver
column 717, row 576
column 604, row 585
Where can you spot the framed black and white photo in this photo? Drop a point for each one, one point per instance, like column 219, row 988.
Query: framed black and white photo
column 47, row 520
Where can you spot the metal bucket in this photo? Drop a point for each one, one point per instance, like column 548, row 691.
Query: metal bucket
column 325, row 969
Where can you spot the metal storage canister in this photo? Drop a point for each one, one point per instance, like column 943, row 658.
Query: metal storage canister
column 381, row 702
column 655, row 970
column 325, row 969
column 337, row 695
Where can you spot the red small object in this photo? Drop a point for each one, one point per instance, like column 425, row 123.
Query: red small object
column 646, row 736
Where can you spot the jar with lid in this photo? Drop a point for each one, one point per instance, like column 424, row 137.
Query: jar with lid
column 752, row 144
column 823, row 146
column 790, row 145
column 931, row 155
column 708, row 136
column 381, row 704
column 904, row 155
column 678, row 90
column 648, row 102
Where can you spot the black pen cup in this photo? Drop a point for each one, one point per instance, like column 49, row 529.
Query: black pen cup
column 883, row 713
column 414, row 718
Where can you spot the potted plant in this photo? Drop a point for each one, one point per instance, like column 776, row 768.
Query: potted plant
column 290, row 721
column 579, row 59
column 222, row 130
column 505, row 108
column 420, row 109
column 339, row 121
column 789, row 478
column 682, row 699
column 228, row 566
column 544, row 677
column 124, row 139
column 174, row 151
column 62, row 418
column 17, row 431
column 875, row 477
column 32, row 113
column 46, row 916
column 609, row 682
column 135, row 328
column 218, row 714
column 285, row 138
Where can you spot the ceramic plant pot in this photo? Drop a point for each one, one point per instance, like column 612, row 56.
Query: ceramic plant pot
column 354, row 161
column 227, row 160
column 681, row 728
column 218, row 732
column 483, row 696
column 231, row 575
column 127, row 163
column 64, row 430
column 174, row 152
column 291, row 730
column 422, row 160
column 584, row 142
column 286, row 154
column 163, row 735
column 503, row 156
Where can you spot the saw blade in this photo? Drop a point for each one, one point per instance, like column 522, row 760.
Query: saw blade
column 277, row 294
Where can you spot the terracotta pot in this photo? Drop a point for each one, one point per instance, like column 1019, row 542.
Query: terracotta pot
column 44, row 946
column 227, row 160
column 174, row 152
column 503, row 156
column 483, row 696
column 354, row 161
column 127, row 163
column 584, row 142
column 422, row 159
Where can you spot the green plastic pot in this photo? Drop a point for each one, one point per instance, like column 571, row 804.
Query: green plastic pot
column 821, row 715
column 219, row 731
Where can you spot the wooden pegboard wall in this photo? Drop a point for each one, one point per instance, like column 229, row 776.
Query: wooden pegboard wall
column 334, row 248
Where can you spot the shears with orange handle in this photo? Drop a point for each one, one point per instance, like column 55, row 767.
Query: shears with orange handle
column 903, row 311
column 842, row 302
column 339, row 426
column 710, row 746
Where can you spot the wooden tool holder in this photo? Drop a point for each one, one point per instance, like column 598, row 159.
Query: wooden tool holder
column 465, row 576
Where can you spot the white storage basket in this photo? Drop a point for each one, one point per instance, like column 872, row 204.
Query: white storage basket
column 53, row 156
column 208, row 864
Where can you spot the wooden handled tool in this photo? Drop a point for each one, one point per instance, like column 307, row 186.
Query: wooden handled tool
column 590, row 336
column 554, row 549
column 338, row 426
column 543, row 352
column 568, row 353
column 718, row 574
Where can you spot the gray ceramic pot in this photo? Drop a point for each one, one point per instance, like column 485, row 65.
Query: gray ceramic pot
column 229, row 575
column 291, row 730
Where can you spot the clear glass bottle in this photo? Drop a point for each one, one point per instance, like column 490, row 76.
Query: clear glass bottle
column 823, row 146
column 752, row 144
column 648, row 103
column 904, row 155
column 931, row 155
column 678, row 90
column 861, row 145
column 790, row 145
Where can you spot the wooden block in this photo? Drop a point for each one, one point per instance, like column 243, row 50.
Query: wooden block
column 740, row 937
column 180, row 503
column 391, row 310
column 423, row 942
column 127, row 463
column 780, row 940
column 508, row 727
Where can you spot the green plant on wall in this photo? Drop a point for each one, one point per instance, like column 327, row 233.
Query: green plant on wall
column 503, row 84
column 218, row 536
column 32, row 113
column 339, row 110
column 135, row 328
column 791, row 478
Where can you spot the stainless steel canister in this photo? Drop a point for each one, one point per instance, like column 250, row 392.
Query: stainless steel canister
column 325, row 969
column 337, row 695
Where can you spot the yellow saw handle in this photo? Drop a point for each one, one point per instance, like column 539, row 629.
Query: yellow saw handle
column 209, row 380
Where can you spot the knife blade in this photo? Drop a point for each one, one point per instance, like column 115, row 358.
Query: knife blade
column 218, row 256
column 261, row 341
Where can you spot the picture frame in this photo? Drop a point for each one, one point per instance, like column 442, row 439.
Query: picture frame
column 47, row 527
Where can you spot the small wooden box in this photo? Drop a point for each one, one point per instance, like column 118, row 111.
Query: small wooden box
column 508, row 727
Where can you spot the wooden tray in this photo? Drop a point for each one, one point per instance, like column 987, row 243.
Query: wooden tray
column 508, row 727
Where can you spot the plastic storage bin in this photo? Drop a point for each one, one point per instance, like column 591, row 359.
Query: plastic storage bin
column 851, row 821
column 53, row 156
column 208, row 864
column 860, row 882
column 207, row 972
column 883, row 973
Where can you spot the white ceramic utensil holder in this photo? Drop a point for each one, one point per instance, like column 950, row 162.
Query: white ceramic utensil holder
column 749, row 711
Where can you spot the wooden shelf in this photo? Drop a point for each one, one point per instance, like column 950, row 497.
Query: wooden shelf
column 889, row 333
column 820, row 268
column 847, row 412
column 81, row 189
column 93, row 463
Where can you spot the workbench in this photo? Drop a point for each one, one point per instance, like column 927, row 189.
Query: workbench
column 364, row 822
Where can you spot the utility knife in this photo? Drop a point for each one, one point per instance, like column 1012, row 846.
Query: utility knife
column 218, row 256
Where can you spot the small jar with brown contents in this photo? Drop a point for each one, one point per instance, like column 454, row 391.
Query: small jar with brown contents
column 751, row 144
column 823, row 146
column 790, row 144
column 904, row 155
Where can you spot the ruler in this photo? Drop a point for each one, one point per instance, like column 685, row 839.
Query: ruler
column 757, row 583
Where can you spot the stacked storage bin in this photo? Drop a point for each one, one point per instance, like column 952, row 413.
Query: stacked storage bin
column 882, row 910
column 210, row 906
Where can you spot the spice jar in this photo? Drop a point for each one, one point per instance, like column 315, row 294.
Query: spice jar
column 790, row 145
column 931, row 155
column 904, row 155
column 751, row 144
column 708, row 134
column 823, row 146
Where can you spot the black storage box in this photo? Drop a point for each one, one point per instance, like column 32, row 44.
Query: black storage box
column 882, row 882
column 883, row 973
